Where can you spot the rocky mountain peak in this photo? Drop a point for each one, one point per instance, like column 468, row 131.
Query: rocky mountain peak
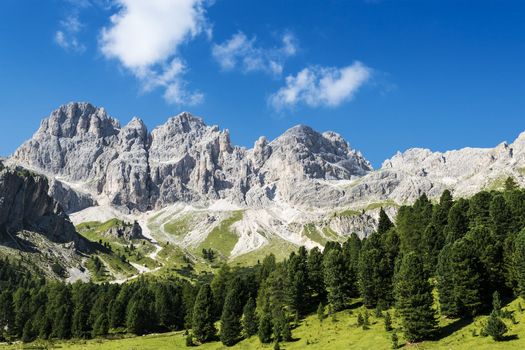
column 181, row 160
column 79, row 118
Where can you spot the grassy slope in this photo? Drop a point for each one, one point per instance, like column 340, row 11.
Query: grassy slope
column 329, row 335
column 95, row 232
column 222, row 238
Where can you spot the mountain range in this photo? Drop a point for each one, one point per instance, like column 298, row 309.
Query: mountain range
column 184, row 180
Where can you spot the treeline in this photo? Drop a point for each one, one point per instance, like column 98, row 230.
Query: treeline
column 470, row 250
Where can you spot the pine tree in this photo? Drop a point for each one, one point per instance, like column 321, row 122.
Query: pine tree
column 511, row 184
column 249, row 320
column 203, row 322
column 351, row 252
column 384, row 223
column 495, row 327
column 320, row 312
column 316, row 275
column 297, row 281
column 459, row 279
column 376, row 271
column 457, row 221
column 336, row 279
column 518, row 262
column 388, row 322
column 231, row 314
column 414, row 299
column 395, row 341
column 265, row 327
column 101, row 326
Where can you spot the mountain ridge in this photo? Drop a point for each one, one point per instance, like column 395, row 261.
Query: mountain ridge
column 303, row 187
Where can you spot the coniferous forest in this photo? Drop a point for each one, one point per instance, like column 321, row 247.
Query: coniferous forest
column 455, row 258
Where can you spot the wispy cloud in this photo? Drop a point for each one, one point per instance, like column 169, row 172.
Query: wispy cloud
column 67, row 36
column 144, row 36
column 321, row 86
column 241, row 52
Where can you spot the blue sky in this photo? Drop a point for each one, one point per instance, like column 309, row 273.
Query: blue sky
column 387, row 75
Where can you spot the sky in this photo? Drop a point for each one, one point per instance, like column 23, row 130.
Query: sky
column 386, row 75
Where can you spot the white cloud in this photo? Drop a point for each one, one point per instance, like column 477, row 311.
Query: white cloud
column 67, row 36
column 144, row 36
column 321, row 86
column 242, row 52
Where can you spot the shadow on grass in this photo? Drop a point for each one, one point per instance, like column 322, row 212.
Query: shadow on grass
column 355, row 305
column 453, row 327
column 509, row 337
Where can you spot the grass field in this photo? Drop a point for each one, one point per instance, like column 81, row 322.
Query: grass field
column 222, row 238
column 331, row 334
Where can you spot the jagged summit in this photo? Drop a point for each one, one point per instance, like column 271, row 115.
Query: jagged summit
column 92, row 159
column 181, row 160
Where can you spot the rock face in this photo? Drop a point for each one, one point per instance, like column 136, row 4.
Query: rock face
column 125, row 231
column 184, row 160
column 26, row 205
column 91, row 159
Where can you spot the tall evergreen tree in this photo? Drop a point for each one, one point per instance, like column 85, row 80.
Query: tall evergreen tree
column 384, row 223
column 265, row 326
column 457, row 221
column 316, row 275
column 231, row 314
column 249, row 319
column 336, row 279
column 203, row 322
column 518, row 262
column 297, row 280
column 414, row 299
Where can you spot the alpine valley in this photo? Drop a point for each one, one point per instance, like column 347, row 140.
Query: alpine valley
column 87, row 198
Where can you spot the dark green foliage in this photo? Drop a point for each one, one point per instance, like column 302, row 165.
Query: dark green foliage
column 297, row 281
column 360, row 319
column 495, row 327
column 395, row 341
column 320, row 312
column 316, row 275
column 457, row 221
column 411, row 224
column 231, row 314
column 414, row 299
column 517, row 263
column 336, row 279
column 376, row 269
column 388, row 322
column 101, row 326
column 249, row 319
column 471, row 248
column 203, row 321
column 189, row 340
column 459, row 280
column 384, row 223
column 265, row 327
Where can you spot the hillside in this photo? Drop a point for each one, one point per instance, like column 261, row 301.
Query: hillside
column 343, row 333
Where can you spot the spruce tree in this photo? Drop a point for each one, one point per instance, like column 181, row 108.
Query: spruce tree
column 414, row 299
column 495, row 327
column 457, row 221
column 231, row 314
column 203, row 322
column 518, row 262
column 388, row 322
column 249, row 319
column 265, row 327
column 384, row 223
column 320, row 312
column 101, row 326
column 336, row 279
column 316, row 275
